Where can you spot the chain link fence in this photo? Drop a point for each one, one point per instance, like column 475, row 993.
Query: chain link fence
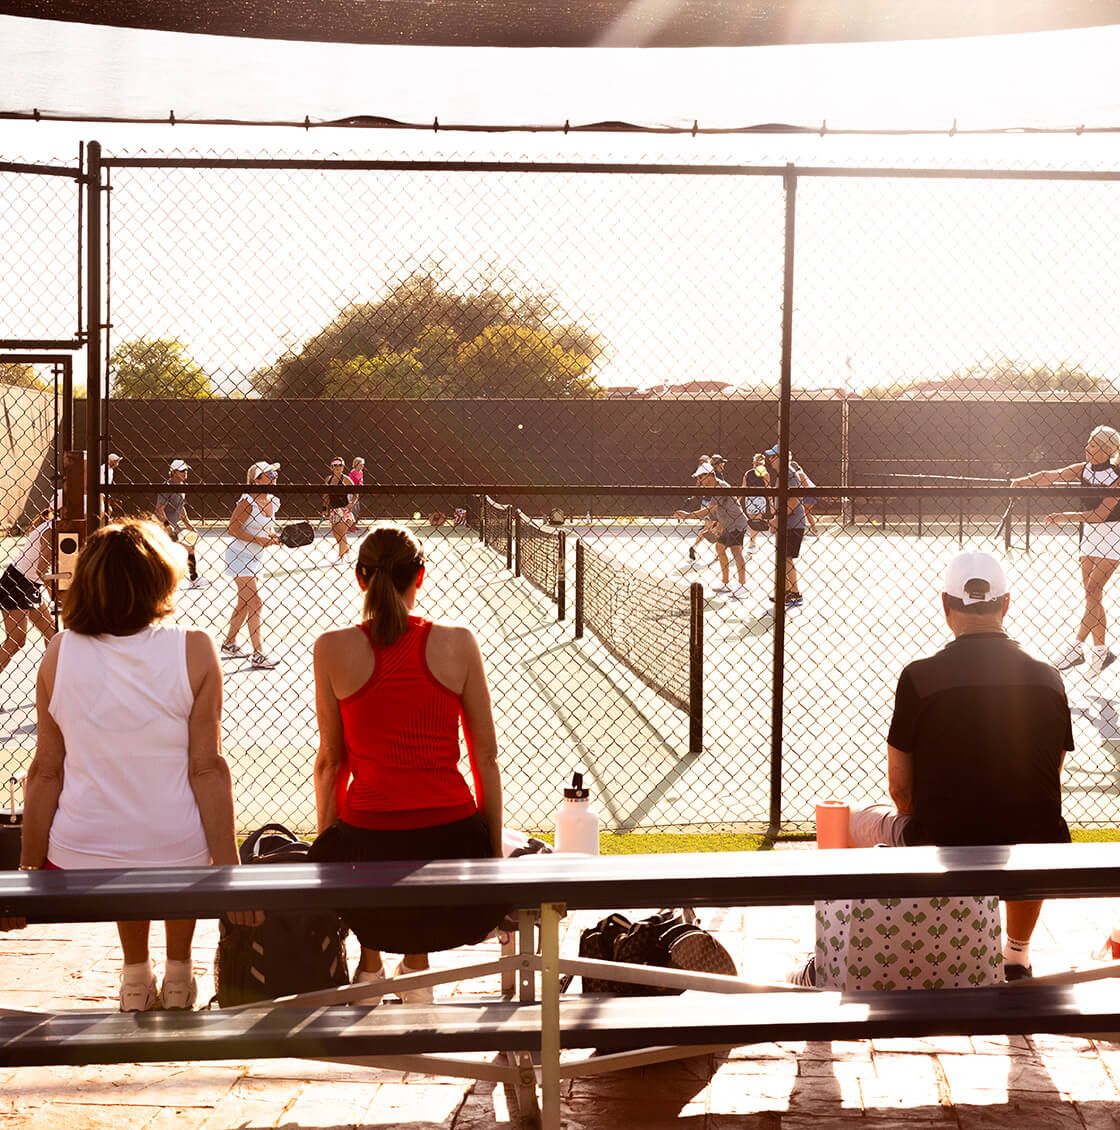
column 532, row 359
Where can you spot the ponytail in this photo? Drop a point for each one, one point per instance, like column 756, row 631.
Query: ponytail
column 389, row 561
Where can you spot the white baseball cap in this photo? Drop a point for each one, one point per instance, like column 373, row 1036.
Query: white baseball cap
column 180, row 465
column 703, row 469
column 113, row 457
column 258, row 469
column 974, row 577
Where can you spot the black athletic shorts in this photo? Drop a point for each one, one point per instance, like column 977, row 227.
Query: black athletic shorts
column 17, row 592
column 731, row 537
column 794, row 538
column 412, row 929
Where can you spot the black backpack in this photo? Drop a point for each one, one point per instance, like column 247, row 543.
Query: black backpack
column 289, row 952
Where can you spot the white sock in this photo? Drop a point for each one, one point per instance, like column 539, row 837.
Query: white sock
column 365, row 975
column 177, row 972
column 138, row 974
column 1016, row 952
column 1100, row 649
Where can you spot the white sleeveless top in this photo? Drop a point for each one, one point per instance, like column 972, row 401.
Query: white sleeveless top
column 258, row 523
column 28, row 560
column 123, row 704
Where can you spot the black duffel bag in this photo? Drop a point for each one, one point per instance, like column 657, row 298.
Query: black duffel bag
column 290, row 951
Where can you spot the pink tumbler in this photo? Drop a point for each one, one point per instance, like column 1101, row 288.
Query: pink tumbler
column 832, row 824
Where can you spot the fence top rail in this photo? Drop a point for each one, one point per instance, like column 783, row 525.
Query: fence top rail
column 265, row 164
column 1031, row 871
column 70, row 171
column 592, row 490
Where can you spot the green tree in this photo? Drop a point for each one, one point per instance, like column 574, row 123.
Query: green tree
column 437, row 350
column 21, row 376
column 415, row 342
column 515, row 361
column 388, row 374
column 156, row 369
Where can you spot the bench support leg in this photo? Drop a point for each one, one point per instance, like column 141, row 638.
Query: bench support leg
column 526, row 952
column 551, row 913
column 525, row 1089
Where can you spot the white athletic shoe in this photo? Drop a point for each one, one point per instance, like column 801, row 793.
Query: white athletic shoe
column 1098, row 661
column 362, row 977
column 262, row 662
column 1070, row 655
column 199, row 583
column 178, row 996
column 232, row 651
column 414, row 996
column 738, row 592
column 721, row 587
column 139, row 996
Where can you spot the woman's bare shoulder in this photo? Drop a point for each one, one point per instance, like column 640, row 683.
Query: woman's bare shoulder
column 452, row 629
column 200, row 640
column 341, row 639
column 456, row 638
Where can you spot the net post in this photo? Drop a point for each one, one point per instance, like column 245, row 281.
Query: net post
column 919, row 515
column 482, row 518
column 579, row 589
column 1027, row 533
column 1007, row 523
column 960, row 521
column 516, row 544
column 696, row 668
column 509, row 538
column 562, row 576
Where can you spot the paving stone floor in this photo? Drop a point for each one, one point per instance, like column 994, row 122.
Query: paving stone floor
column 1014, row 1083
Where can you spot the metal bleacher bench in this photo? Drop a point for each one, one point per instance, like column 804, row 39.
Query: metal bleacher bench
column 531, row 1024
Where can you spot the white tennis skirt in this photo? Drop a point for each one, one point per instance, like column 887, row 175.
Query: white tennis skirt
column 1101, row 539
column 242, row 558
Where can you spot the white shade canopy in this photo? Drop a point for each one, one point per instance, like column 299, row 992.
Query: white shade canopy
column 1055, row 79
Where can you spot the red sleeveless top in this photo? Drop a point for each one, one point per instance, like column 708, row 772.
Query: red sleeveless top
column 401, row 733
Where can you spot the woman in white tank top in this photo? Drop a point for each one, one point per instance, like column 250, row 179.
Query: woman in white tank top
column 128, row 768
column 251, row 533
column 1100, row 542
column 21, row 598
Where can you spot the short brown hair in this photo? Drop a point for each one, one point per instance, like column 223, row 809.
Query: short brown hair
column 125, row 579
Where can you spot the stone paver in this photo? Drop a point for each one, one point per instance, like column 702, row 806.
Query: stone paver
column 982, row 1083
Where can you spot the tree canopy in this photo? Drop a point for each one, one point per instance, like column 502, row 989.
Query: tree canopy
column 995, row 375
column 149, row 369
column 21, row 376
column 423, row 340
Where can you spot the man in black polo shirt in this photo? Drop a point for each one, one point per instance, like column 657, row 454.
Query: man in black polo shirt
column 977, row 742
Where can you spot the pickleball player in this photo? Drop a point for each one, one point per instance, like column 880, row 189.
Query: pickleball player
column 171, row 510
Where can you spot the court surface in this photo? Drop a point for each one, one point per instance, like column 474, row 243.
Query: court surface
column 560, row 703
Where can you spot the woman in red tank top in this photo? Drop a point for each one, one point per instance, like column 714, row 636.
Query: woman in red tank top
column 390, row 694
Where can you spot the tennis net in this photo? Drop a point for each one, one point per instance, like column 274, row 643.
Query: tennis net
column 539, row 557
column 497, row 529
column 645, row 622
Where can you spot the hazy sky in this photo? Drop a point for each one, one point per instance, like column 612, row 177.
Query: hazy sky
column 681, row 275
